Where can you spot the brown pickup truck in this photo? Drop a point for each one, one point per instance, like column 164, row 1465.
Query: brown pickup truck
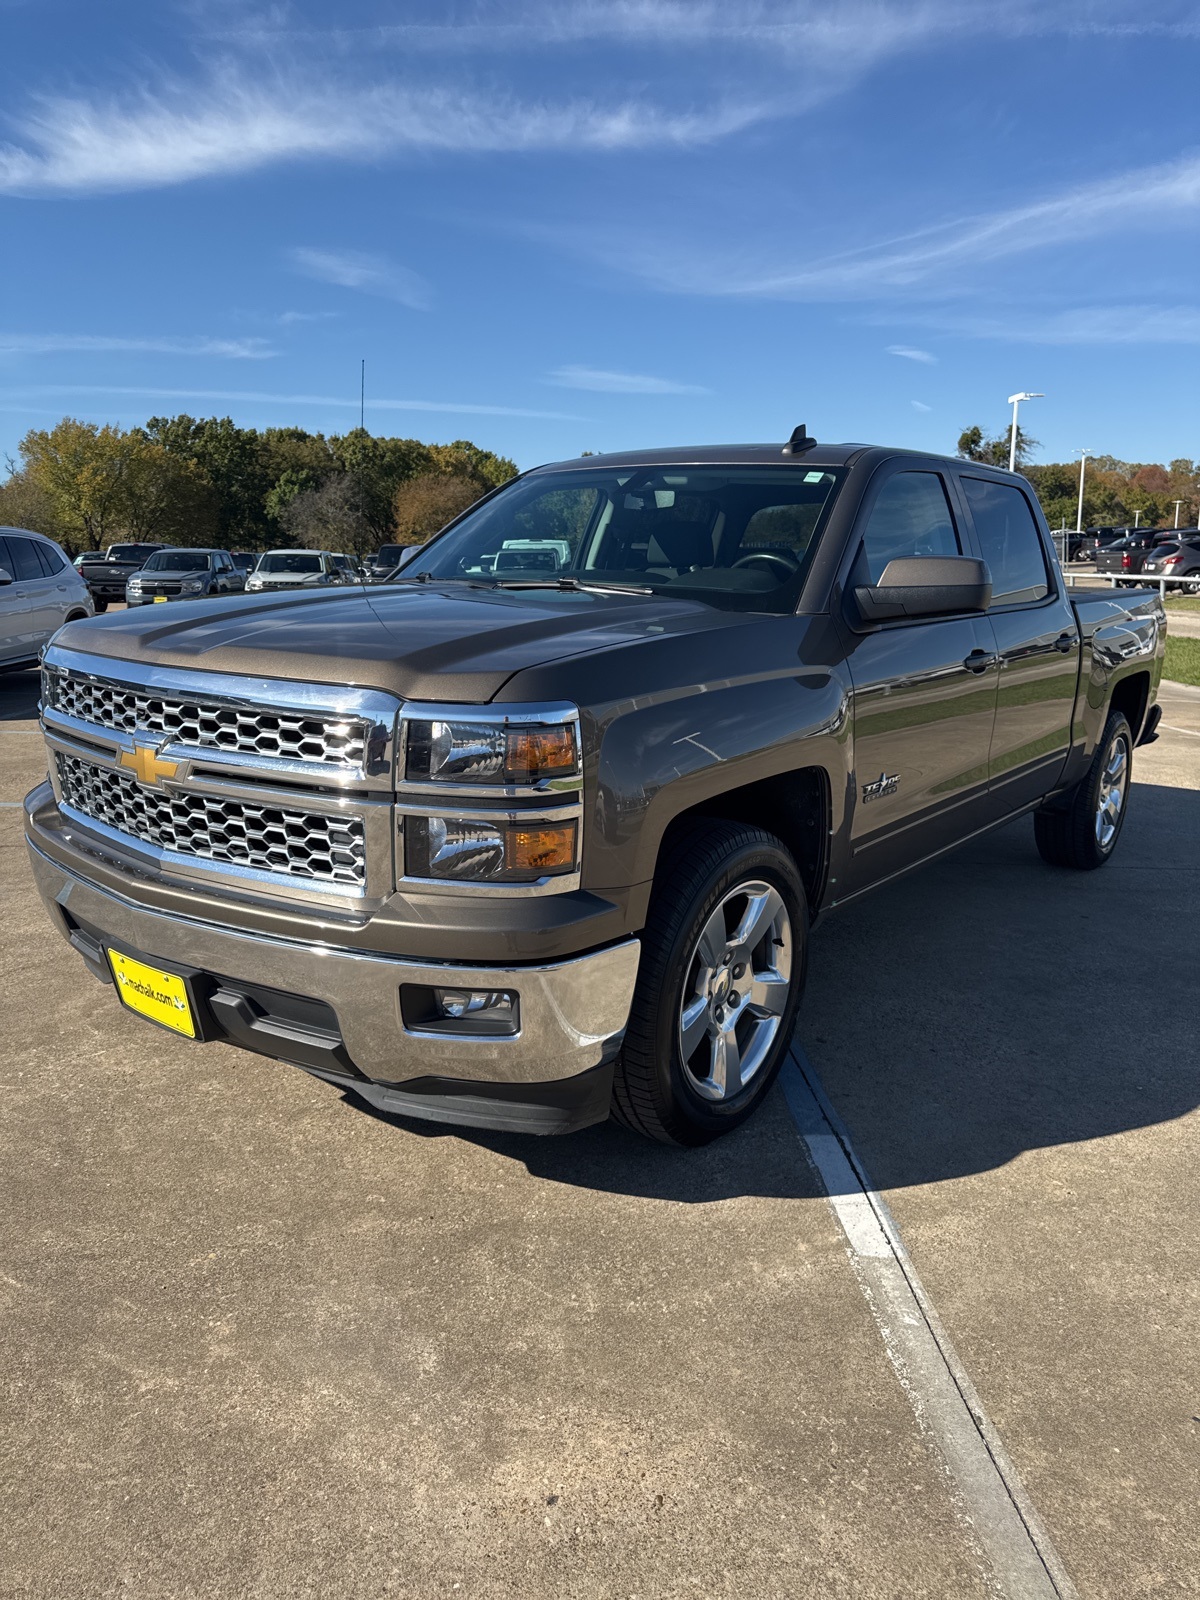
column 537, row 830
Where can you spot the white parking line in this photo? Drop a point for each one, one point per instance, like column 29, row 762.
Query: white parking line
column 1008, row 1531
column 1191, row 732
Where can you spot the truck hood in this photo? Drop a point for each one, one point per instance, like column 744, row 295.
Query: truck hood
column 422, row 642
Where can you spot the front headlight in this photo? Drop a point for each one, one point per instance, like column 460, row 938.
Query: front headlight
column 254, row 583
column 505, row 851
column 135, row 585
column 192, row 586
column 490, row 752
column 521, row 767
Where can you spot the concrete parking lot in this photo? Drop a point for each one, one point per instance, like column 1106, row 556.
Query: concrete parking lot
column 262, row 1342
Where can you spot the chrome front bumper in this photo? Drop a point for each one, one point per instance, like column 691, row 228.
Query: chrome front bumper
column 572, row 1013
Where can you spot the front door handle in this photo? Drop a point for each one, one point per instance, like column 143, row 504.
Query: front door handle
column 1066, row 642
column 980, row 660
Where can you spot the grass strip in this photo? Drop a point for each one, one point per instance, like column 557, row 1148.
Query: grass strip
column 1183, row 661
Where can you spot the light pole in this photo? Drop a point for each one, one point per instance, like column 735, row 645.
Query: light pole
column 1137, row 517
column 1014, row 401
column 1083, row 455
column 1178, row 503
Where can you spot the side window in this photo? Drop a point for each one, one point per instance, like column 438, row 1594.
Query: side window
column 1008, row 541
column 22, row 559
column 911, row 517
column 49, row 557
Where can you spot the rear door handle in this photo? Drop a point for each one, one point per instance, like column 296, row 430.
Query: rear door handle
column 980, row 660
column 1066, row 642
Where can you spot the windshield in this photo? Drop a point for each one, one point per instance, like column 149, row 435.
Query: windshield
column 178, row 561
column 740, row 537
column 290, row 561
column 128, row 552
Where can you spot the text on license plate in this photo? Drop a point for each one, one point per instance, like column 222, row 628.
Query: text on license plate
column 161, row 996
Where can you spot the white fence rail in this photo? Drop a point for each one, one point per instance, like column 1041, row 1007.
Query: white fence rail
column 1140, row 580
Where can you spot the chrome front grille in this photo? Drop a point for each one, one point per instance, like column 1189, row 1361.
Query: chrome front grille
column 321, row 847
column 208, row 724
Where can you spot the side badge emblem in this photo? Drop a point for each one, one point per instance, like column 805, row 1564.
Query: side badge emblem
column 886, row 783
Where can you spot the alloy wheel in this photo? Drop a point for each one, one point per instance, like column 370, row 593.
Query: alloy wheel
column 1114, row 783
column 735, row 990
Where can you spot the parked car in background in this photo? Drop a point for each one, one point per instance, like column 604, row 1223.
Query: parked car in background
column 85, row 555
column 244, row 561
column 385, row 561
column 347, row 566
column 1127, row 555
column 296, row 569
column 184, row 574
column 108, row 575
column 1177, row 557
column 39, row 591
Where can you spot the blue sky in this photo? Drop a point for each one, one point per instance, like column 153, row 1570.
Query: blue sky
column 584, row 225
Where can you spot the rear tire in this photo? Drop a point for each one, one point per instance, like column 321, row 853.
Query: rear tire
column 724, row 956
column 1083, row 832
column 99, row 605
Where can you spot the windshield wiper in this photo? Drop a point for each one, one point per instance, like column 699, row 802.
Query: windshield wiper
column 570, row 585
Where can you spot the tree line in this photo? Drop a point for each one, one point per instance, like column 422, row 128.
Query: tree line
column 207, row 481
column 1115, row 493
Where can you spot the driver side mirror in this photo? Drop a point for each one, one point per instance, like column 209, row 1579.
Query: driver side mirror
column 5, row 576
column 925, row 586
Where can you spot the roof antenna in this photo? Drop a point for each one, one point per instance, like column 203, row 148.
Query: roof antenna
column 799, row 442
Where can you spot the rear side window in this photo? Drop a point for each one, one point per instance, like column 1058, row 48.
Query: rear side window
column 910, row 517
column 20, row 557
column 1008, row 540
column 51, row 560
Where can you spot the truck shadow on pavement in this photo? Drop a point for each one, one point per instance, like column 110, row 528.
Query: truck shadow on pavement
column 982, row 1007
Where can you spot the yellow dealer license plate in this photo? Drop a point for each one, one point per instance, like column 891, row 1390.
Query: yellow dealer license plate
column 161, row 996
column 160, row 599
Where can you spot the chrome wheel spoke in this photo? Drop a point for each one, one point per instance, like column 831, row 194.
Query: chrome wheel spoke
column 712, row 944
column 693, row 1025
column 755, row 922
column 768, row 993
column 726, row 1063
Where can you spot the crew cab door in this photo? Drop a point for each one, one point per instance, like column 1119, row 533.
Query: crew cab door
column 34, row 590
column 924, row 696
column 1037, row 640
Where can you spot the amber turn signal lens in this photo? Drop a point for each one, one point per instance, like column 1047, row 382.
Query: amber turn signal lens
column 540, row 849
column 534, row 753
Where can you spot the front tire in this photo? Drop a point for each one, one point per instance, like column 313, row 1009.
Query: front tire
column 724, row 956
column 1083, row 832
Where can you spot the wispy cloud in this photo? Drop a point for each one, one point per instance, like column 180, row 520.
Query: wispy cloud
column 601, row 382
column 909, row 353
column 231, row 123
column 1133, row 324
column 42, row 344
column 286, row 319
column 935, row 255
column 353, row 269
column 919, row 405
column 470, row 408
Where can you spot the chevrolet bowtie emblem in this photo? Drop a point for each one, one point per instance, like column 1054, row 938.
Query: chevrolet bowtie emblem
column 145, row 761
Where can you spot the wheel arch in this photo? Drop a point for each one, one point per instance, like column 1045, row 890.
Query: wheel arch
column 795, row 806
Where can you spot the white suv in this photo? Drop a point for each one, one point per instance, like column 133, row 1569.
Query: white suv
column 296, row 569
column 39, row 591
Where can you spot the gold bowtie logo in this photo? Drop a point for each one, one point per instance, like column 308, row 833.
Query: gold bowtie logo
column 145, row 761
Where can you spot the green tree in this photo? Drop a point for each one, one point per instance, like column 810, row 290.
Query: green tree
column 975, row 445
column 235, row 464
column 23, row 504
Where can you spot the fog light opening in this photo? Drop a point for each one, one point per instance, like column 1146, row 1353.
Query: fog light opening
column 466, row 1012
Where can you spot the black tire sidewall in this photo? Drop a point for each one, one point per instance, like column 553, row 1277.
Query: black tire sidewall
column 704, row 1118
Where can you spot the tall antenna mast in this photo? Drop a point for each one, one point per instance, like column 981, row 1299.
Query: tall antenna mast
column 362, row 395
